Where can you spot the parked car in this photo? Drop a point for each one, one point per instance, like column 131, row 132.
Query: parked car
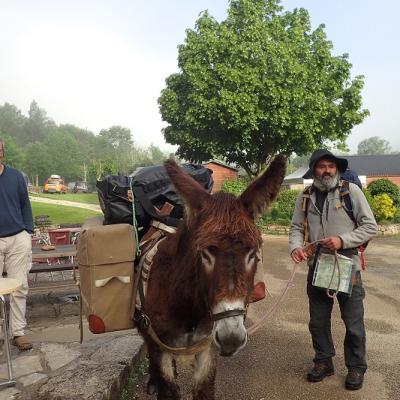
column 55, row 184
column 81, row 186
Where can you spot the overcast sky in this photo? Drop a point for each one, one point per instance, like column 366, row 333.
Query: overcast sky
column 98, row 63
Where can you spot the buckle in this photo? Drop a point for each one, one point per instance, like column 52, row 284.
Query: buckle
column 141, row 319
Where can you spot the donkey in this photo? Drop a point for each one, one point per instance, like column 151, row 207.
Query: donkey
column 202, row 278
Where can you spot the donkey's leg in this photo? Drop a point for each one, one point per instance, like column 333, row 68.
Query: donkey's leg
column 162, row 370
column 167, row 387
column 154, row 368
column 205, row 369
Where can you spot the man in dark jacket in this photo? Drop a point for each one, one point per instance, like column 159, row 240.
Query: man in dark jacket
column 16, row 225
column 324, row 214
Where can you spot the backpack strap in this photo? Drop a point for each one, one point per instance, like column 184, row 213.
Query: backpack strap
column 345, row 199
column 306, row 199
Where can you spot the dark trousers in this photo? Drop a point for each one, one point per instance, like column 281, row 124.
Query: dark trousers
column 352, row 312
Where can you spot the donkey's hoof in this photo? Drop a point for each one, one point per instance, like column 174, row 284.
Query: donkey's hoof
column 151, row 387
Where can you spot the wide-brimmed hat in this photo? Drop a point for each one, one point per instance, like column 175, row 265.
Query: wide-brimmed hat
column 341, row 163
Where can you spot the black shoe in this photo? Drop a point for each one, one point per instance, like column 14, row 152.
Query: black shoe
column 320, row 371
column 354, row 379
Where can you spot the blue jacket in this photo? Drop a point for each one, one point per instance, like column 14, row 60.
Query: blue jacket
column 15, row 208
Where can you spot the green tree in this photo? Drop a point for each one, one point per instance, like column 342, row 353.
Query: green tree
column 258, row 83
column 38, row 126
column 120, row 140
column 117, row 136
column 373, row 145
column 13, row 156
column 12, row 123
column 37, row 162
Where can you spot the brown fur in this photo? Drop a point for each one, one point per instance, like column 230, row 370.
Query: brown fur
column 181, row 292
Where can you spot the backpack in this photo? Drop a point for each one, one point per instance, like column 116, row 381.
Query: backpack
column 351, row 176
column 151, row 187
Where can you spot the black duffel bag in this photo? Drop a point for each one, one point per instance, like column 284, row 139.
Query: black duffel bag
column 151, row 187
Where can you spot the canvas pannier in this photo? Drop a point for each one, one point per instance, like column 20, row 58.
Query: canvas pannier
column 105, row 257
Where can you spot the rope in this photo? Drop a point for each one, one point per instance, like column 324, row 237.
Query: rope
column 134, row 221
column 253, row 328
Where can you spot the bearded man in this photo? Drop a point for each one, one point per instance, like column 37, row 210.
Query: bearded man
column 321, row 215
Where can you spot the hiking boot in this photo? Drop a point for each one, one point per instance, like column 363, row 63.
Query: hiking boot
column 22, row 343
column 354, row 379
column 320, row 370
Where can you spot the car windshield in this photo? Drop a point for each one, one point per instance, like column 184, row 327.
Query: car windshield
column 53, row 181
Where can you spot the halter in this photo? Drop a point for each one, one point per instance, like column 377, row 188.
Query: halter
column 228, row 313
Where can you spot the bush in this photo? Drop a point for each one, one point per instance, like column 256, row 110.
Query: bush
column 383, row 208
column 236, row 186
column 396, row 218
column 285, row 203
column 381, row 186
column 369, row 197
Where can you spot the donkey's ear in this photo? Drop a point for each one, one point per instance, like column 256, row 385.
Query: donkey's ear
column 263, row 191
column 192, row 193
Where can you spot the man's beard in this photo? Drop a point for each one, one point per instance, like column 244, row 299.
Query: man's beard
column 326, row 182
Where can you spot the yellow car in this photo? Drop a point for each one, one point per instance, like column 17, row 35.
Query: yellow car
column 55, row 185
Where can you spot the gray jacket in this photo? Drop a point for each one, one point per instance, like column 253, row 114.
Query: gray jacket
column 334, row 221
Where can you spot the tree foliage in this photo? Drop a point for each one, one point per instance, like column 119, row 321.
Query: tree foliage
column 12, row 154
column 39, row 147
column 373, row 145
column 258, row 83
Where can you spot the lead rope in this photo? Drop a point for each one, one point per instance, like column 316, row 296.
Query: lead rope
column 254, row 328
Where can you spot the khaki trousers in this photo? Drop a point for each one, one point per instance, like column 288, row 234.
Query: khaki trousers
column 16, row 261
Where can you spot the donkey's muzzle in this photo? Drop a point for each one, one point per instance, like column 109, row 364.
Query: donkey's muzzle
column 231, row 344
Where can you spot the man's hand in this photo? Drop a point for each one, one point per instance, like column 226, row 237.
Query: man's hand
column 298, row 255
column 332, row 243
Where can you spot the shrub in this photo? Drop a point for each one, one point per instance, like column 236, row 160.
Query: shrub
column 285, row 203
column 383, row 208
column 369, row 197
column 396, row 218
column 381, row 186
column 235, row 186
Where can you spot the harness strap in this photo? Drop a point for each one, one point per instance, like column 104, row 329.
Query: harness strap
column 228, row 314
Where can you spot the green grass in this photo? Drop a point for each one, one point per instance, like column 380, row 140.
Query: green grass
column 129, row 392
column 88, row 198
column 62, row 214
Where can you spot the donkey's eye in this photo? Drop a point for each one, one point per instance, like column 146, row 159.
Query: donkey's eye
column 251, row 255
column 208, row 260
column 250, row 258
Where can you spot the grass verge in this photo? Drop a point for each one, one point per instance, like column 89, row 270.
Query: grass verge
column 62, row 214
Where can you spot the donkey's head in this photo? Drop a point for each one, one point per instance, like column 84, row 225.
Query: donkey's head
column 223, row 243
